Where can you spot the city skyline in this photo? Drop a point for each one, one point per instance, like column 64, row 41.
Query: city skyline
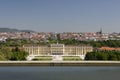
column 60, row 15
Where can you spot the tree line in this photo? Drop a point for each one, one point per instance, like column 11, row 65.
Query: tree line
column 21, row 42
column 7, row 54
column 103, row 55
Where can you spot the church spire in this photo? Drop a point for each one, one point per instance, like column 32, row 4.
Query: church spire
column 100, row 30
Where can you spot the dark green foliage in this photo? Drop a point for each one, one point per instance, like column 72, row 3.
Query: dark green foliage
column 15, row 54
column 18, row 55
column 5, row 53
column 17, row 42
column 21, row 42
column 103, row 55
column 110, row 43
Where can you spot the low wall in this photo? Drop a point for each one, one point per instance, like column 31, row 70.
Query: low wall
column 59, row 63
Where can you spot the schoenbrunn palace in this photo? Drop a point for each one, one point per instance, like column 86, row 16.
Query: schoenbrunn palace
column 58, row 49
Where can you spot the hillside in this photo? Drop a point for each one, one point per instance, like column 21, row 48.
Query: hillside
column 13, row 30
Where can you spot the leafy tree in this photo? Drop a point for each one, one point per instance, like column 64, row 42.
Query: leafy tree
column 103, row 55
column 5, row 53
column 18, row 54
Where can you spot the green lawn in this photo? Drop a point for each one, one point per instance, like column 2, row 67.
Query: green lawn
column 42, row 58
column 71, row 58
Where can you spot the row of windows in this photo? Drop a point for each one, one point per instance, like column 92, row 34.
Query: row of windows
column 45, row 50
column 65, row 50
column 56, row 48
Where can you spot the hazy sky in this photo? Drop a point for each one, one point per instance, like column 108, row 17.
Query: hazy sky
column 61, row 15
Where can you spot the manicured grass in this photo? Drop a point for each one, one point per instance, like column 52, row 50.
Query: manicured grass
column 42, row 58
column 71, row 58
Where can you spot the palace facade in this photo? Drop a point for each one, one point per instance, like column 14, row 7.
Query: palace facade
column 57, row 49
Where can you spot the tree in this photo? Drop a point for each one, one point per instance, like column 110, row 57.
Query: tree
column 103, row 55
column 18, row 54
column 5, row 53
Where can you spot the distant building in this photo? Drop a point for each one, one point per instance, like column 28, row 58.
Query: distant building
column 109, row 49
column 57, row 49
column 2, row 39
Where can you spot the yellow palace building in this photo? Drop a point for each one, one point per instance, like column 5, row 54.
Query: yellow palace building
column 58, row 49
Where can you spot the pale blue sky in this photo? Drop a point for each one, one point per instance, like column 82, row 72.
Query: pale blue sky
column 61, row 15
